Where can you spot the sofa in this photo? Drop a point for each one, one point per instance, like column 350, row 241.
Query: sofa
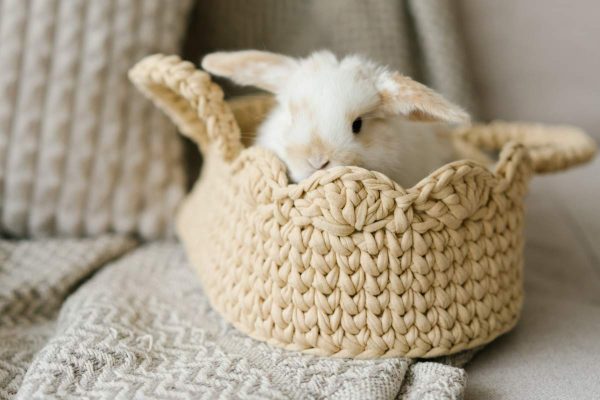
column 528, row 64
column 97, row 298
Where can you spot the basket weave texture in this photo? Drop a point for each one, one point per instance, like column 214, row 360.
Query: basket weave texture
column 348, row 263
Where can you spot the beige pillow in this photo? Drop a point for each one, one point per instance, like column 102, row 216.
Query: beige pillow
column 81, row 152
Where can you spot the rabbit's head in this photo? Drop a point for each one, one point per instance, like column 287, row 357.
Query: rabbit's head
column 332, row 112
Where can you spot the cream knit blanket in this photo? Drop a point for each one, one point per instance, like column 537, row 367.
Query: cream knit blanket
column 142, row 328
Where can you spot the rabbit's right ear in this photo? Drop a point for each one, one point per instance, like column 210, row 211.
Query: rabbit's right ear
column 262, row 69
column 402, row 95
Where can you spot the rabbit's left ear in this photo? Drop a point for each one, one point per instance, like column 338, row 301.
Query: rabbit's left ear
column 262, row 69
column 402, row 95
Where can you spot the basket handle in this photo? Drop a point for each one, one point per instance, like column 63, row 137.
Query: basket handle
column 550, row 148
column 191, row 100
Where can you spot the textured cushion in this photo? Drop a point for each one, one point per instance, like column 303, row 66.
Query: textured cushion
column 80, row 151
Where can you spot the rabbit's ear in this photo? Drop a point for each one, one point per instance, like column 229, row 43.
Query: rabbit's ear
column 262, row 69
column 404, row 96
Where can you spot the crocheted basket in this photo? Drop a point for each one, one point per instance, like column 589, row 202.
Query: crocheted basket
column 348, row 263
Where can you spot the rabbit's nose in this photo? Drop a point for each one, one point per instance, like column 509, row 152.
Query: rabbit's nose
column 318, row 161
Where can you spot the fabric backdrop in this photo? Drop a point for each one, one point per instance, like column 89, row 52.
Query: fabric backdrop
column 420, row 38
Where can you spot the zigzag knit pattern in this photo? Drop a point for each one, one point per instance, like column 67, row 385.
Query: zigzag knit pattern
column 142, row 328
column 36, row 277
column 81, row 152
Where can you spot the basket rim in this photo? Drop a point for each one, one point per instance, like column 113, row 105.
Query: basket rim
column 275, row 172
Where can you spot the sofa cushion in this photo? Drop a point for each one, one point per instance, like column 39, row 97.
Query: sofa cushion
column 81, row 152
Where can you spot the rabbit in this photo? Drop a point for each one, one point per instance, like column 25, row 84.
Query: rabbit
column 332, row 112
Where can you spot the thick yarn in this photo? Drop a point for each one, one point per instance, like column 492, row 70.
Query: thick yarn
column 348, row 263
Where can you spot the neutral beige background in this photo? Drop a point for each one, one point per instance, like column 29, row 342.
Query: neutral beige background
column 539, row 60
column 536, row 59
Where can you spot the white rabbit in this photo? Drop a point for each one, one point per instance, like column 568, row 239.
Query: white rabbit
column 346, row 112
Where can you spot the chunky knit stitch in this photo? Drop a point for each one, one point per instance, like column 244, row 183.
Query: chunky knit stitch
column 347, row 262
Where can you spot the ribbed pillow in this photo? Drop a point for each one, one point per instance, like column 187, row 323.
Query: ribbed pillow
column 81, row 152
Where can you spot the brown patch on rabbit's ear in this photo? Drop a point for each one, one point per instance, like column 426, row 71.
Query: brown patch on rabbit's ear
column 419, row 115
column 262, row 69
column 401, row 95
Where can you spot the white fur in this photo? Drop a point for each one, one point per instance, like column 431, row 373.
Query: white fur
column 320, row 98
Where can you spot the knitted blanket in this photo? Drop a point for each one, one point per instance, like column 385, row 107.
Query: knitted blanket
column 141, row 327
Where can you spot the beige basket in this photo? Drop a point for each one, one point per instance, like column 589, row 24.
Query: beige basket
column 348, row 263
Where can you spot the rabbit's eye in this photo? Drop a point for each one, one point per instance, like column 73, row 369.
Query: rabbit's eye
column 356, row 125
